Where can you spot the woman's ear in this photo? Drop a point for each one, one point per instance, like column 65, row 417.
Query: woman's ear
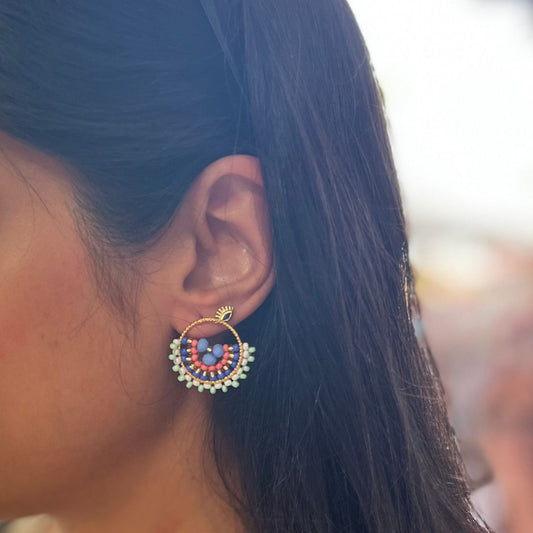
column 218, row 249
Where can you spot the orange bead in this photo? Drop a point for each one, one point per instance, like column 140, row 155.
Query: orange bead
column 194, row 342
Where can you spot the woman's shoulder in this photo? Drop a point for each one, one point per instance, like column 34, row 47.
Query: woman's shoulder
column 31, row 524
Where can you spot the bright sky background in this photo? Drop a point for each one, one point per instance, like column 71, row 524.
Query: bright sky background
column 458, row 83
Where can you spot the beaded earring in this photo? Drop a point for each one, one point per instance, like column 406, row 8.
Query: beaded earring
column 216, row 367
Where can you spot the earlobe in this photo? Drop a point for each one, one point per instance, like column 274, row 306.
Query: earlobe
column 224, row 244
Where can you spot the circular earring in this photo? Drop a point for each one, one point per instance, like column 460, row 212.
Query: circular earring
column 216, row 367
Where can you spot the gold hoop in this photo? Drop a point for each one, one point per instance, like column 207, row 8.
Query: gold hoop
column 220, row 366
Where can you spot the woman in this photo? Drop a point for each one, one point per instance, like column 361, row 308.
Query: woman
column 163, row 159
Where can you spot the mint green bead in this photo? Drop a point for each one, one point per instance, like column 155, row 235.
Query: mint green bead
column 172, row 356
column 175, row 368
column 200, row 388
column 251, row 359
column 189, row 384
column 243, row 376
column 251, row 349
column 224, row 388
column 173, row 345
column 235, row 384
column 213, row 390
column 246, row 368
column 181, row 377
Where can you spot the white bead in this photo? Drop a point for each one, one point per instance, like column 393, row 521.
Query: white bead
column 187, row 377
column 218, row 385
column 195, row 383
column 227, row 382
column 245, row 346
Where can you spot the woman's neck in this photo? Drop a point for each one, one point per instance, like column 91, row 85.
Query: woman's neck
column 169, row 486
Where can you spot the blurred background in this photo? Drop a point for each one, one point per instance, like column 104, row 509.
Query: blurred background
column 457, row 77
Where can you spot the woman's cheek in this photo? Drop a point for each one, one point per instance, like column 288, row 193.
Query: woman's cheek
column 56, row 387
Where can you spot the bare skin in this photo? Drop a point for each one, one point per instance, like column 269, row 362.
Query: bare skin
column 98, row 433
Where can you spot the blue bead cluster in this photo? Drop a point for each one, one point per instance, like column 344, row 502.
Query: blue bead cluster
column 210, row 368
column 209, row 358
